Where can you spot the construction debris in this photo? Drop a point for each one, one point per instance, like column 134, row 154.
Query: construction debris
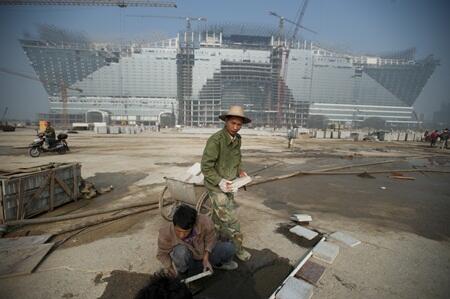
column 89, row 191
column 303, row 232
column 345, row 239
column 326, row 251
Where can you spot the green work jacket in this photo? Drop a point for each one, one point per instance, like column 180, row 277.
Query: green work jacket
column 221, row 159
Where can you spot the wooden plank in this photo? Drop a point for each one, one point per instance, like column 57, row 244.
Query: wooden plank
column 17, row 199
column 42, row 187
column 63, row 185
column 23, row 241
column 75, row 182
column 51, row 191
column 20, row 192
column 2, row 203
column 22, row 260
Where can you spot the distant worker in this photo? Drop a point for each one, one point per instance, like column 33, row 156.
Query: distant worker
column 221, row 163
column 426, row 136
column 190, row 243
column 444, row 138
column 433, row 137
column 292, row 134
column 50, row 135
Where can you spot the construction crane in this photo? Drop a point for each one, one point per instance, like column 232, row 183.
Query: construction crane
column 282, row 52
column 118, row 3
column 63, row 86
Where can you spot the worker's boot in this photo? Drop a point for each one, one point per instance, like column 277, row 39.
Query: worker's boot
column 243, row 255
column 231, row 265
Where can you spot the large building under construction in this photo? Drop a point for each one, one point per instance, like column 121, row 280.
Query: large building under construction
column 193, row 78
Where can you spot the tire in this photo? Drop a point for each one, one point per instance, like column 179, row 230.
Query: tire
column 204, row 204
column 167, row 205
column 61, row 150
column 34, row 152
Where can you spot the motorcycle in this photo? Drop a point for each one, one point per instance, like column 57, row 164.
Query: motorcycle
column 39, row 146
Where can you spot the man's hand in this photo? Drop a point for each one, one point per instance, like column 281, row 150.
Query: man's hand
column 242, row 173
column 206, row 264
column 172, row 271
column 225, row 186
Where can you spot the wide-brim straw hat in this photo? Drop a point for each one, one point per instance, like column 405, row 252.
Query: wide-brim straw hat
column 236, row 111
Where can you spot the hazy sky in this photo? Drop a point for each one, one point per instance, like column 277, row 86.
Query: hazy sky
column 360, row 25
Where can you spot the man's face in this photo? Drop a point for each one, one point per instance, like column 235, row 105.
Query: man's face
column 182, row 233
column 233, row 125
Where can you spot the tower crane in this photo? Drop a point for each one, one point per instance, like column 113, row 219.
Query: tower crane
column 63, row 86
column 282, row 51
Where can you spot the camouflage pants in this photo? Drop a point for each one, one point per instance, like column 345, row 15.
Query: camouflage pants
column 224, row 217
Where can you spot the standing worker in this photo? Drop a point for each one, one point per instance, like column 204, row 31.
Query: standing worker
column 444, row 138
column 221, row 163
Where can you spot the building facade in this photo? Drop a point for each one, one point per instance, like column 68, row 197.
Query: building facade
column 197, row 76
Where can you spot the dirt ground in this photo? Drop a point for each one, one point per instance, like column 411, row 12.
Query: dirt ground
column 404, row 225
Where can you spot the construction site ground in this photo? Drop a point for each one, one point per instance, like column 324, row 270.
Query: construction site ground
column 404, row 225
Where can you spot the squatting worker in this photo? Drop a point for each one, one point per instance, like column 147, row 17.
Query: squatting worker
column 221, row 163
column 189, row 244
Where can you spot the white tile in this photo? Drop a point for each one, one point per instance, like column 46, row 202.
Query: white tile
column 345, row 238
column 303, row 232
column 295, row 289
column 326, row 251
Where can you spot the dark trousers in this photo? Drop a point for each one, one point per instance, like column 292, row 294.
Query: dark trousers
column 182, row 258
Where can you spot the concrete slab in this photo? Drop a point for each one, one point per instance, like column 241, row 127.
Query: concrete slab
column 303, row 232
column 345, row 238
column 295, row 289
column 301, row 217
column 326, row 251
column 311, row 272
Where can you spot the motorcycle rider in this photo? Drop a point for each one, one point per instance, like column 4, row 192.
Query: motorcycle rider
column 50, row 135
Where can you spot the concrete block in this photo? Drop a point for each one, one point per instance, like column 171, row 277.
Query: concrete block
column 326, row 251
column 114, row 130
column 345, row 238
column 320, row 134
column 303, row 232
column 345, row 134
column 301, row 218
column 101, row 130
column 295, row 289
